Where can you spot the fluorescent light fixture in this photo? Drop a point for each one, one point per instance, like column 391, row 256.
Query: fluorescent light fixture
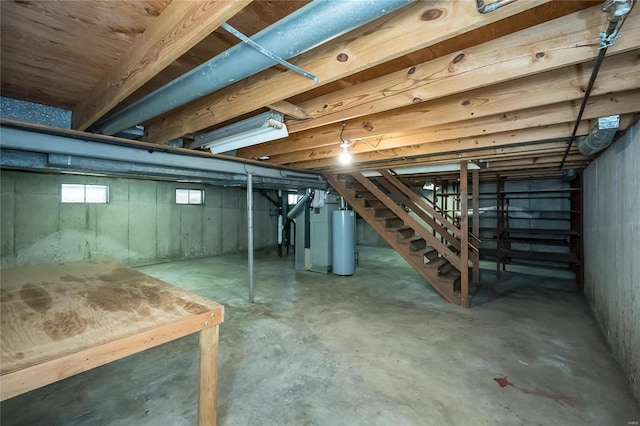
column 430, row 186
column 369, row 174
column 252, row 131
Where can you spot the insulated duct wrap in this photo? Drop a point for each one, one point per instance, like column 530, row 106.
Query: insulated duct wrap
column 601, row 135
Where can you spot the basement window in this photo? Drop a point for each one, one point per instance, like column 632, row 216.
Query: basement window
column 189, row 196
column 80, row 193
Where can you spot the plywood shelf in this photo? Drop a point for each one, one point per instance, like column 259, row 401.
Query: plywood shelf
column 63, row 319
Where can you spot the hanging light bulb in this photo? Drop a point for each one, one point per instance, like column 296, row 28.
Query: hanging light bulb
column 345, row 156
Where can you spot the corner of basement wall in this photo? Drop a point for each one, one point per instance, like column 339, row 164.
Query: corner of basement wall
column 612, row 249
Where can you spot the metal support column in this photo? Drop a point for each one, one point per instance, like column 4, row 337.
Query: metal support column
column 250, row 233
column 464, row 232
column 475, row 205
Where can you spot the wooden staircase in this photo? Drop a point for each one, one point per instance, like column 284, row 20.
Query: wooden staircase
column 385, row 203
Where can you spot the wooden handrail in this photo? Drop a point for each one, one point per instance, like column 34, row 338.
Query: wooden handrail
column 434, row 242
column 421, row 202
column 451, row 239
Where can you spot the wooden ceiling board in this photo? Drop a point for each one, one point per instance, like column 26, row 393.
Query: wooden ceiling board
column 255, row 17
column 69, row 43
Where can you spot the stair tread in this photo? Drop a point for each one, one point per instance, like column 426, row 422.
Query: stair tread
column 410, row 239
column 437, row 263
column 451, row 276
column 423, row 251
column 399, row 228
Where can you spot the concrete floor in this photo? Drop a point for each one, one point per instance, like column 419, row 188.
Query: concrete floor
column 378, row 348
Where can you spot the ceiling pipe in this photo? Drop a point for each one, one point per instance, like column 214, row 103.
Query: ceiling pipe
column 617, row 10
column 490, row 7
column 308, row 27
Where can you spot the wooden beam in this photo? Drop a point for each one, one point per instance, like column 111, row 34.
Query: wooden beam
column 484, row 154
column 618, row 73
column 559, row 43
column 209, row 346
column 181, row 26
column 288, row 109
column 366, row 47
column 619, row 103
column 455, row 146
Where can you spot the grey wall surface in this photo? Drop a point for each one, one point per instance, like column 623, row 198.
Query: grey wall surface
column 612, row 249
column 141, row 224
column 367, row 236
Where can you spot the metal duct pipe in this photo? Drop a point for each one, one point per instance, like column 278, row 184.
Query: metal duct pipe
column 301, row 203
column 490, row 7
column 617, row 11
column 312, row 25
column 600, row 136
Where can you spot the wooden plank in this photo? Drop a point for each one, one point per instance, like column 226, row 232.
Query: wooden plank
column 366, row 47
column 60, row 320
column 289, row 109
column 464, row 239
column 466, row 144
column 618, row 73
column 207, row 406
column 560, row 43
column 26, row 379
column 553, row 148
column 181, row 26
column 598, row 106
column 55, row 52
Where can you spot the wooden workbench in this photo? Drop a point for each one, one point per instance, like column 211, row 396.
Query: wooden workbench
column 63, row 319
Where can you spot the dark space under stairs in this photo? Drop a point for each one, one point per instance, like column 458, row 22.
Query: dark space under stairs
column 384, row 202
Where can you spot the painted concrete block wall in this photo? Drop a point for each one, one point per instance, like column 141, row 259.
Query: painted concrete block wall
column 141, row 223
column 612, row 249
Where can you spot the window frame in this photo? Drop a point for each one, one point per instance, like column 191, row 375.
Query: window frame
column 70, row 200
column 188, row 194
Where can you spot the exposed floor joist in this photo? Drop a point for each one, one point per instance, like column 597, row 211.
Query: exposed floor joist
column 618, row 73
column 373, row 44
column 562, row 42
column 181, row 26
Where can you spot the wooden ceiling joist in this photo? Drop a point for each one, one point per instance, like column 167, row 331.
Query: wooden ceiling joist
column 618, row 73
column 505, row 139
column 486, row 154
column 621, row 103
column 458, row 145
column 181, row 26
column 373, row 44
column 562, row 42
